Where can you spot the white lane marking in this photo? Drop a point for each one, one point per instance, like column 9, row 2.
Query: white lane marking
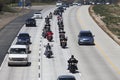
column 3, row 62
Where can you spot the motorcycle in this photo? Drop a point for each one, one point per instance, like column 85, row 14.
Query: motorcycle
column 50, row 16
column 63, row 43
column 48, row 53
column 47, row 20
column 44, row 34
column 49, row 37
column 72, row 67
column 61, row 35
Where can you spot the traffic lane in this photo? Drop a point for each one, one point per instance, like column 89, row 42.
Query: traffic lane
column 9, row 32
column 56, row 66
column 90, row 60
column 106, row 45
column 31, row 72
column 24, row 72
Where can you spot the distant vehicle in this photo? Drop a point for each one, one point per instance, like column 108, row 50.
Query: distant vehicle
column 61, row 9
column 30, row 22
column 107, row 3
column 37, row 15
column 24, row 37
column 18, row 55
column 85, row 37
column 75, row 3
column 66, row 77
column 79, row 4
column 58, row 4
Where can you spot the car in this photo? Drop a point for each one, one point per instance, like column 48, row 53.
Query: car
column 75, row 3
column 61, row 9
column 79, row 4
column 18, row 55
column 24, row 38
column 30, row 22
column 58, row 4
column 37, row 15
column 85, row 37
column 24, row 43
column 66, row 77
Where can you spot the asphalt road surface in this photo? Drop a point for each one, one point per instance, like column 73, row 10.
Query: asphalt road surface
column 96, row 62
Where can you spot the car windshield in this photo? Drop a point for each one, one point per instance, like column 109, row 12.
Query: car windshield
column 24, row 36
column 85, row 35
column 17, row 51
column 21, row 43
column 66, row 78
column 37, row 13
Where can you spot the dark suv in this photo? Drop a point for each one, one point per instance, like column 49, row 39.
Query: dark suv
column 30, row 22
column 24, row 38
column 85, row 37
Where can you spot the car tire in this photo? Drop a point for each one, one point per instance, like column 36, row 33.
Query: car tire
column 79, row 43
column 9, row 64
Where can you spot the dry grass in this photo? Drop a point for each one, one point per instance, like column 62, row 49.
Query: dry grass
column 108, row 18
column 6, row 17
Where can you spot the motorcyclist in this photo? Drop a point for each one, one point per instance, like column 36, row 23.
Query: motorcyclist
column 47, row 19
column 48, row 47
column 48, row 52
column 47, row 27
column 72, row 61
column 49, row 33
column 59, row 17
column 50, row 15
column 62, row 34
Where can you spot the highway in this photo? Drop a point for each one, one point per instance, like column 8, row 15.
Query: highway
column 96, row 62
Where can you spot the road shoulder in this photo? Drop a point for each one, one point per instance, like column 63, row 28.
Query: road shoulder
column 102, row 25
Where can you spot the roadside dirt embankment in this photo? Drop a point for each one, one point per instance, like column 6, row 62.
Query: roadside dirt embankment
column 101, row 24
column 7, row 17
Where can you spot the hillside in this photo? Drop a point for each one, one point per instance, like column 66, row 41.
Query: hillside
column 108, row 18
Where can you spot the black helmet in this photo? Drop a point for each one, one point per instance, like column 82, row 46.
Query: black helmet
column 48, row 44
column 72, row 56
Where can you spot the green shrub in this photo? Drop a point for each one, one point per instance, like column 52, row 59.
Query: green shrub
column 8, row 9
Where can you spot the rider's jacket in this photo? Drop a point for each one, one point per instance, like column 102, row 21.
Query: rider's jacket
column 49, row 33
column 48, row 47
column 72, row 60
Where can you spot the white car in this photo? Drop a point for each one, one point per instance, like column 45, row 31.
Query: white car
column 37, row 15
column 18, row 55
column 58, row 4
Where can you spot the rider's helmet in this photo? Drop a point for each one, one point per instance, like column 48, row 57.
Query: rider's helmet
column 48, row 44
column 72, row 56
column 50, row 12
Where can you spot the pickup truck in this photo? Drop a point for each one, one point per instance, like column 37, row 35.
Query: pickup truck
column 18, row 55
